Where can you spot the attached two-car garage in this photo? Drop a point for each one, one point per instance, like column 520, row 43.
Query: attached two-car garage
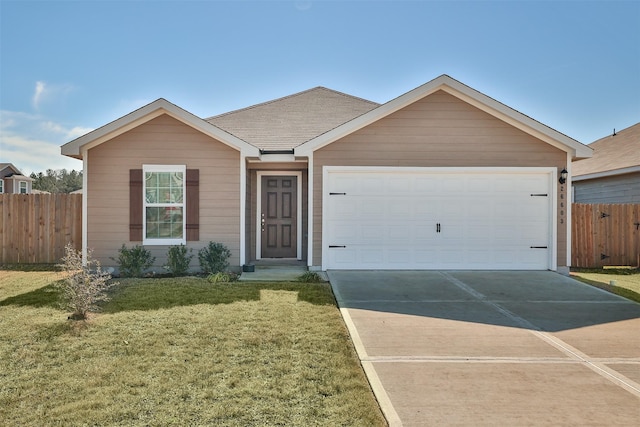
column 439, row 218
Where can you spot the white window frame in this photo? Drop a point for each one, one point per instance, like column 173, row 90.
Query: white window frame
column 26, row 187
column 164, row 168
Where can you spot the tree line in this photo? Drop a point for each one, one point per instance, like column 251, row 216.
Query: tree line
column 57, row 181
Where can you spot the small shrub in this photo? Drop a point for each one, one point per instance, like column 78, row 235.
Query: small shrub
column 133, row 262
column 178, row 259
column 221, row 277
column 84, row 285
column 310, row 277
column 213, row 258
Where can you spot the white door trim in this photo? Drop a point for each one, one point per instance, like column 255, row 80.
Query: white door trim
column 298, row 175
column 553, row 193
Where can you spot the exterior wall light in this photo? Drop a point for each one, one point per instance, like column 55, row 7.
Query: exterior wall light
column 563, row 176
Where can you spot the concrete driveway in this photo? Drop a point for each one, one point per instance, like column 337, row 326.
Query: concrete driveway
column 493, row 348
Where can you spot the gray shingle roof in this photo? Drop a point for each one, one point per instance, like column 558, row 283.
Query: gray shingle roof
column 285, row 123
column 612, row 152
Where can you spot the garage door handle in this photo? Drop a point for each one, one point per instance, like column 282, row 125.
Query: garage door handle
column 337, row 246
column 438, row 229
column 539, row 247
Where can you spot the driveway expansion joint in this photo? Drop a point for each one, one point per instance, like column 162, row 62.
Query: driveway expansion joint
column 382, row 312
column 573, row 353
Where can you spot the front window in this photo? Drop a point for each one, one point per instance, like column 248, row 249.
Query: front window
column 1, row 185
column 23, row 187
column 164, row 204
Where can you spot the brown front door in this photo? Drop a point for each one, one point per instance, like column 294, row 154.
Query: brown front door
column 279, row 217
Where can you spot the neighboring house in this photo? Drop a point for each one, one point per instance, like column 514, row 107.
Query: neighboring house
column 442, row 177
column 612, row 175
column 12, row 180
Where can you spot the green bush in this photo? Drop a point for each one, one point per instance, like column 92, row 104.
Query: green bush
column 213, row 258
column 133, row 262
column 84, row 286
column 310, row 277
column 178, row 259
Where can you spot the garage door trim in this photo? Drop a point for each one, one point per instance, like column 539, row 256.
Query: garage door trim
column 551, row 172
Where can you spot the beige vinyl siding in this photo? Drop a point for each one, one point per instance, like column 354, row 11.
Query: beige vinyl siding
column 439, row 130
column 162, row 141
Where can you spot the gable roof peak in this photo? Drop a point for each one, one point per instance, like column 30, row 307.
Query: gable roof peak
column 287, row 122
column 288, row 97
column 144, row 114
column 463, row 92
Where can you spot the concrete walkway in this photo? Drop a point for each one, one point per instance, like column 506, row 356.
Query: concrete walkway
column 493, row 348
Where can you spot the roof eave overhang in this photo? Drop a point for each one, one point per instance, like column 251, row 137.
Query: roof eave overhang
column 605, row 174
column 77, row 147
column 465, row 93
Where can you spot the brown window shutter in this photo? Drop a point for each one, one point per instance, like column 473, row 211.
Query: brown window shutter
column 135, row 205
column 193, row 204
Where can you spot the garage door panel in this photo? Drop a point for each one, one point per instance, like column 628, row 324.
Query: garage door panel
column 432, row 220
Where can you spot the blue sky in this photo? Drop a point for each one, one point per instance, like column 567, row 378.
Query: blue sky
column 67, row 67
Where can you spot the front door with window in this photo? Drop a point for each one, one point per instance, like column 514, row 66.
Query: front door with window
column 278, row 218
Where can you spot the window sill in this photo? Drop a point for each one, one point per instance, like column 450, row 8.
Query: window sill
column 163, row 242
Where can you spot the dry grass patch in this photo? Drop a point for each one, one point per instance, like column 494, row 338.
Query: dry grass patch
column 13, row 283
column 627, row 281
column 184, row 352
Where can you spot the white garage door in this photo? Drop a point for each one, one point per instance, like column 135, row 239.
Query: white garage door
column 407, row 218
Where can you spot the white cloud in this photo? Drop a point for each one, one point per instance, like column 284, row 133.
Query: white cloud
column 46, row 93
column 32, row 142
column 39, row 94
column 77, row 132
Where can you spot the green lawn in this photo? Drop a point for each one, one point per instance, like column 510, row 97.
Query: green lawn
column 180, row 352
column 627, row 281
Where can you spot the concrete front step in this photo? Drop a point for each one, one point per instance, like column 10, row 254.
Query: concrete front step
column 273, row 273
column 277, row 273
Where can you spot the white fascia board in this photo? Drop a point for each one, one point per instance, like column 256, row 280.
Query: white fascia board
column 460, row 91
column 605, row 174
column 145, row 114
column 277, row 158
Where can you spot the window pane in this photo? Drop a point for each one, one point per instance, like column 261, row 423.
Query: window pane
column 164, row 179
column 164, row 222
column 176, row 195
column 151, row 195
column 151, row 179
column 164, row 187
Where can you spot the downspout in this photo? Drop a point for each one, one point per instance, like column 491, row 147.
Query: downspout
column 568, row 203
column 85, row 204
column 310, row 211
column 243, row 206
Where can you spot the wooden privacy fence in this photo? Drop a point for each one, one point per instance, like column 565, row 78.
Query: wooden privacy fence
column 35, row 228
column 605, row 235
